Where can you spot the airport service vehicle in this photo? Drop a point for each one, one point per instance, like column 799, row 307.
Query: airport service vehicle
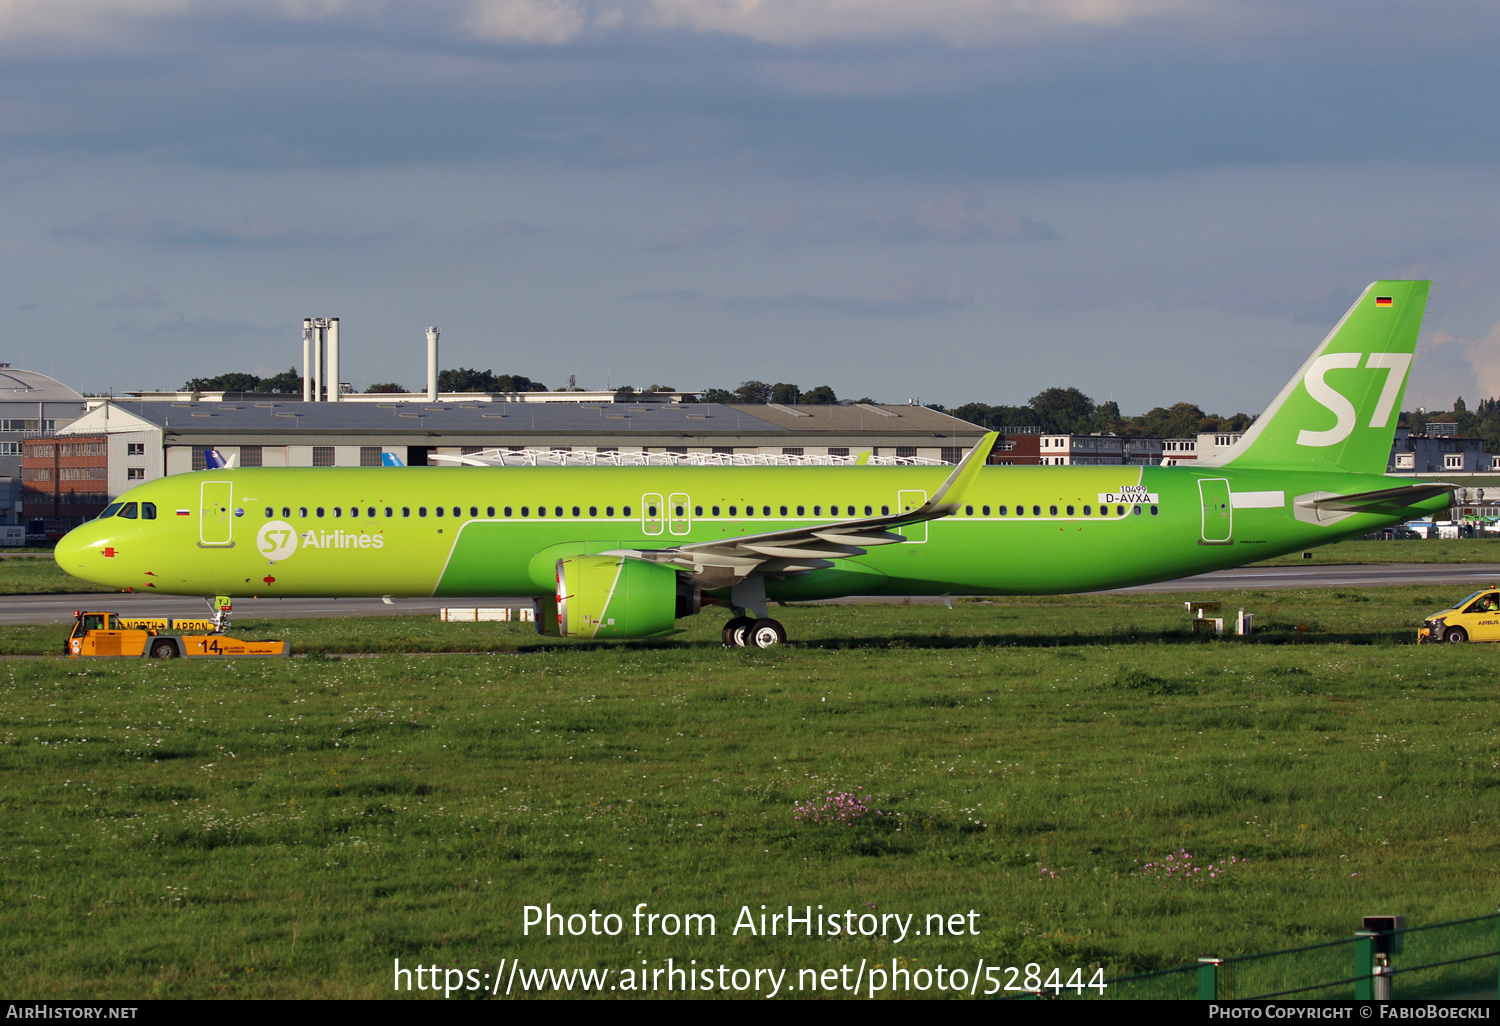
column 624, row 552
column 1476, row 618
column 160, row 637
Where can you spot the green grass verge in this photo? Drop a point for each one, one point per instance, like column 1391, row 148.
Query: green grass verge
column 28, row 575
column 288, row 828
column 1406, row 550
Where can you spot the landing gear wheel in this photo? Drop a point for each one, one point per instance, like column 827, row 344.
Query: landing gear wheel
column 163, row 650
column 766, row 633
column 1455, row 635
column 737, row 632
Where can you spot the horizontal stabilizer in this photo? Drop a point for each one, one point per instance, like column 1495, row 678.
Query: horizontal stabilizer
column 1386, row 501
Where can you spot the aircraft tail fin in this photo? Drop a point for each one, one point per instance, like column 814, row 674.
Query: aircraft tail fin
column 213, row 459
column 390, row 459
column 1339, row 411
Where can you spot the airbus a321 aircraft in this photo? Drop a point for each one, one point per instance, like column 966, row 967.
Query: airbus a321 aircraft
column 623, row 552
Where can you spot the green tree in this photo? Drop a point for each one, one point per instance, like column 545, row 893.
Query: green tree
column 465, row 379
column 753, row 393
column 1062, row 410
column 1182, row 420
column 787, row 395
column 288, row 382
column 822, row 395
column 234, row 381
column 718, row 395
column 385, row 387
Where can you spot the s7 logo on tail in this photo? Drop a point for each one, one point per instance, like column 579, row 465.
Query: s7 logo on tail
column 1394, row 364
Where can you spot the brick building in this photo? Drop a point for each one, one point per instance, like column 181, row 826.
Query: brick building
column 64, row 481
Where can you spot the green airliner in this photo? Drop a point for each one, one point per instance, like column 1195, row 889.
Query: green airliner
column 623, row 552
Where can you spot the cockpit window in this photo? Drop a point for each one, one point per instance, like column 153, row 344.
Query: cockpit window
column 128, row 511
column 148, row 511
column 111, row 510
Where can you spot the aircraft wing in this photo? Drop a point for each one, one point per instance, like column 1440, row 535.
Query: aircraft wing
column 725, row 562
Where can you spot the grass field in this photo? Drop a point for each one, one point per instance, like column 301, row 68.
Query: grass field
column 1409, row 550
column 288, row 828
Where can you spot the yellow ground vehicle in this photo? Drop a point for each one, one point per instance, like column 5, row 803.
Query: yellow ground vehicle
column 160, row 637
column 1476, row 618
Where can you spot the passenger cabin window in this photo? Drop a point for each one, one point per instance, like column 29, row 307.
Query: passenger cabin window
column 437, row 511
column 270, row 512
column 320, row 511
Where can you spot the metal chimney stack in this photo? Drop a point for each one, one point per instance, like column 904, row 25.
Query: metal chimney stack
column 307, row 336
column 319, row 324
column 333, row 359
column 432, row 365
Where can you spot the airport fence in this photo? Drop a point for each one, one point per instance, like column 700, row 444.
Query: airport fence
column 1456, row 959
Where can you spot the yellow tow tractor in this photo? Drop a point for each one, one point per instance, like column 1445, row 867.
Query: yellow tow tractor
column 160, row 637
column 1476, row 618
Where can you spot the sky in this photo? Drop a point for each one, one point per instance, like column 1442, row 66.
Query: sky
column 946, row 201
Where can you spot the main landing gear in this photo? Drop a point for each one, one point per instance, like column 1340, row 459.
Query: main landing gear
column 743, row 632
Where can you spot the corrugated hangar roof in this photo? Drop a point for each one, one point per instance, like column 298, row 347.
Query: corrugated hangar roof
column 25, row 386
column 451, row 418
column 862, row 417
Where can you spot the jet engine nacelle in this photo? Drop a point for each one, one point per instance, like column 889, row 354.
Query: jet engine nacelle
column 616, row 597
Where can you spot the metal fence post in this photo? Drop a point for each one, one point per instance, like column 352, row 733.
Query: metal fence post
column 1208, row 977
column 1364, row 965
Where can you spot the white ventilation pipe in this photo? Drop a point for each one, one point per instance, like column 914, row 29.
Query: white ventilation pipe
column 333, row 359
column 319, row 328
column 307, row 334
column 432, row 365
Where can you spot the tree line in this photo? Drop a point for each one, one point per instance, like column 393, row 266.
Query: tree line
column 1052, row 410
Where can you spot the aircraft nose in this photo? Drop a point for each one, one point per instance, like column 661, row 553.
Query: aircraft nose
column 73, row 550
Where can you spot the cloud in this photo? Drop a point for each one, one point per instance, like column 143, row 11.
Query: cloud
column 483, row 234
column 161, row 228
column 959, row 217
column 713, row 229
column 907, row 296
column 1483, row 355
column 666, row 295
column 527, row 21
column 207, row 326
column 141, row 298
column 957, row 22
